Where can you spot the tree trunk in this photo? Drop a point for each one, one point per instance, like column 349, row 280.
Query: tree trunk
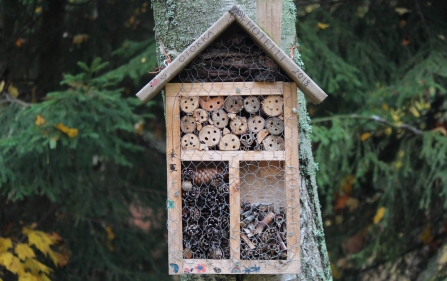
column 179, row 23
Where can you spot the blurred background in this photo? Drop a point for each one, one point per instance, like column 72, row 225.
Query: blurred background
column 82, row 162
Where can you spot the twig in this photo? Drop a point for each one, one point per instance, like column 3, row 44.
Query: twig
column 166, row 61
column 376, row 118
column 10, row 99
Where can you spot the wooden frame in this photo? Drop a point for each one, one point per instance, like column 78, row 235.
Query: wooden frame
column 175, row 156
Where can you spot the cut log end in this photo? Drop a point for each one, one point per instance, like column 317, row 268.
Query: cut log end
column 188, row 124
column 190, row 142
column 275, row 126
column 273, row 106
column 230, row 142
column 238, row 125
column 220, row 118
column 252, row 104
column 256, row 124
column 273, row 143
column 189, row 104
column 234, row 104
column 211, row 104
column 210, row 135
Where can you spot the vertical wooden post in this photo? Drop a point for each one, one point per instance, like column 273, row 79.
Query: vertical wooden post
column 174, row 201
column 235, row 210
column 269, row 18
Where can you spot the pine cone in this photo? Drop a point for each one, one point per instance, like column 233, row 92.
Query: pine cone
column 206, row 175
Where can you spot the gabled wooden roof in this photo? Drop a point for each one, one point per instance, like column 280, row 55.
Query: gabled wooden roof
column 304, row 82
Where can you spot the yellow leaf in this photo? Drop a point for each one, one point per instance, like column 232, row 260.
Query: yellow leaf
column 442, row 130
column 398, row 164
column 353, row 203
column 13, row 91
column 41, row 240
column 24, row 251
column 401, row 154
column 2, row 85
column 26, row 276
column 365, row 136
column 5, row 244
column 62, row 127
column 322, row 25
column 36, row 267
column 139, row 127
column 72, row 133
column 379, row 215
column 80, row 38
column 347, row 183
column 402, row 11
column 335, row 273
column 415, row 112
column 426, row 236
column 385, row 107
column 11, row 262
column 110, row 233
column 38, row 10
column 39, row 120
column 58, row 259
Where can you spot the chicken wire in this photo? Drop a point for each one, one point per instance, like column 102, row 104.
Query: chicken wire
column 235, row 140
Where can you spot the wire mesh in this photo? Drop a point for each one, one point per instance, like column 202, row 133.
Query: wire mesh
column 239, row 164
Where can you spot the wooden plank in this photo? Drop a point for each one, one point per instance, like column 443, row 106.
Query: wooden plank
column 182, row 60
column 214, row 155
column 269, row 18
column 292, row 172
column 229, row 266
column 174, row 202
column 235, row 210
column 305, row 83
column 224, row 88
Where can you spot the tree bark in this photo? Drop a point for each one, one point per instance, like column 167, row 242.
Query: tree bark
column 179, row 23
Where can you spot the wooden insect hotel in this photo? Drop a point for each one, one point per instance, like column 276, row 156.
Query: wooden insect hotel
column 232, row 144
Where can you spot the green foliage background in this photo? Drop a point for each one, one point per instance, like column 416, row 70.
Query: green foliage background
column 380, row 137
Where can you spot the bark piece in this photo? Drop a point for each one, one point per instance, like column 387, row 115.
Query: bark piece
column 275, row 126
column 252, row 104
column 230, row 142
column 249, row 243
column 188, row 124
column 273, row 106
column 209, row 135
column 225, row 131
column 256, row 124
column 220, row 118
column 200, row 115
column 238, row 125
column 189, row 104
column 234, row 104
column 273, row 143
column 190, row 142
column 262, row 134
column 211, row 104
column 262, row 224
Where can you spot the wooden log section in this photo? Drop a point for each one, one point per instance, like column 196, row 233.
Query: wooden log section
column 229, row 142
column 234, row 104
column 225, row 131
column 188, row 124
column 200, row 115
column 211, row 104
column 209, row 135
column 252, row 105
column 275, row 126
column 272, row 106
column 189, row 104
column 220, row 118
column 238, row 125
column 256, row 124
column 273, row 143
column 190, row 142
column 262, row 134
